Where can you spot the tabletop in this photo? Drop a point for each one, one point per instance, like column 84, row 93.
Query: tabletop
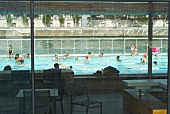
column 146, row 83
column 53, row 92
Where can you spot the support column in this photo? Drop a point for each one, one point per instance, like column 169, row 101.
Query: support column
column 84, row 21
column 32, row 53
column 168, row 80
column 150, row 25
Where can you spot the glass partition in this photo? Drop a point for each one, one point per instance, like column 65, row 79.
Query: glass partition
column 84, row 38
column 15, row 75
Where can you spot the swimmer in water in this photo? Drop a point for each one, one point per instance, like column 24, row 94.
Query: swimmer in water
column 66, row 67
column 22, row 62
column 61, row 66
column 55, row 57
column 155, row 63
column 118, row 58
column 76, row 58
column 28, row 55
column 67, row 55
column 100, row 55
column 144, row 59
column 86, row 59
column 17, row 58
column 156, row 55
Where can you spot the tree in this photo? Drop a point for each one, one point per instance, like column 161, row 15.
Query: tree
column 47, row 20
column 142, row 19
column 25, row 20
column 76, row 20
column 61, row 20
column 9, row 20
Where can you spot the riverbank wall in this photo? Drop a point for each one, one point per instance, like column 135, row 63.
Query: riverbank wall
column 79, row 32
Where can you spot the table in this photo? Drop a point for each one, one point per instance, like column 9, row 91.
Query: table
column 146, row 104
column 145, row 84
column 53, row 95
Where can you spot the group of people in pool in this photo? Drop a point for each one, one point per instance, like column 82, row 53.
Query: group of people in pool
column 20, row 60
column 17, row 57
column 67, row 55
column 134, row 50
column 143, row 60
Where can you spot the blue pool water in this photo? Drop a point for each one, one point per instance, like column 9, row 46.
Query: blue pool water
column 128, row 65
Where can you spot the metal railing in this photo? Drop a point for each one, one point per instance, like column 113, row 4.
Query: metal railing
column 114, row 45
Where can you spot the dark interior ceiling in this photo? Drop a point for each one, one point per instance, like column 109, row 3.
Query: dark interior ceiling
column 84, row 7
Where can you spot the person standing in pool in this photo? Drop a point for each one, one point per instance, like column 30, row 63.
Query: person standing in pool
column 86, row 59
column 134, row 50
column 10, row 51
column 90, row 55
column 144, row 59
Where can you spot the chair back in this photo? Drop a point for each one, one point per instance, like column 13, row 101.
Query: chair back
column 20, row 75
column 52, row 79
column 78, row 91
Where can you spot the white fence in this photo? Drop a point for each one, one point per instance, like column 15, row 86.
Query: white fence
column 83, row 45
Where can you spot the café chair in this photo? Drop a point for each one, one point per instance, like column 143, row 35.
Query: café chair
column 79, row 96
column 52, row 79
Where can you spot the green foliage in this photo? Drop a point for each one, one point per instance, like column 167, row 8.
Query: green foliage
column 142, row 18
column 47, row 20
column 25, row 20
column 61, row 20
column 9, row 20
column 76, row 19
column 117, row 16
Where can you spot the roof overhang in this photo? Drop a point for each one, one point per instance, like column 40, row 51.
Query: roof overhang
column 95, row 7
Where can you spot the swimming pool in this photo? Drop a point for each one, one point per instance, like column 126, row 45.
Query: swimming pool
column 128, row 65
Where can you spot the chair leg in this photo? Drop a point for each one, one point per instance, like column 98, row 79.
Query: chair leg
column 62, row 107
column 101, row 108
column 87, row 109
column 71, row 109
